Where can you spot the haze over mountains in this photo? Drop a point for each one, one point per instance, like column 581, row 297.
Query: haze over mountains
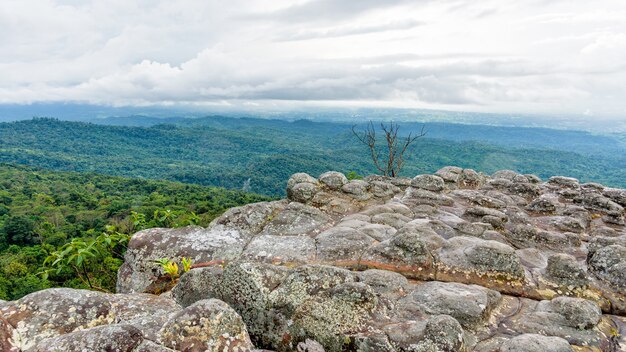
column 126, row 114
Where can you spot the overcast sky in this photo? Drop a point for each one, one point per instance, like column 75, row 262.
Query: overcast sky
column 529, row 56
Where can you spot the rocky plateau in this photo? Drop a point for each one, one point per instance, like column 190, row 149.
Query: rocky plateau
column 454, row 261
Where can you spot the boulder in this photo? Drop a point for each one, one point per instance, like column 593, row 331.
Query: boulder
column 333, row 180
column 469, row 304
column 303, row 192
column 564, row 269
column 536, row 343
column 357, row 189
column 207, row 325
column 579, row 313
column 114, row 337
column 428, row 182
column 609, row 263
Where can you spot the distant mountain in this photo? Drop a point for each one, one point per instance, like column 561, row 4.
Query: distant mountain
column 227, row 152
column 100, row 113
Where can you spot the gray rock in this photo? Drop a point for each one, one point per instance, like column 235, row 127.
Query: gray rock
column 533, row 178
column 450, row 173
column 249, row 219
column 357, row 189
column 54, row 312
column 616, row 195
column 247, row 287
column 445, row 333
column 496, row 257
column 379, row 232
column 286, row 250
column 303, row 192
column 406, row 248
column 384, row 282
column 196, row 285
column 480, row 198
column 544, row 204
column 535, row 343
column 524, row 189
column 383, row 190
column 564, row 269
column 300, row 177
column 469, row 304
column 114, row 337
column 296, row 219
column 394, row 220
column 579, row 313
column 309, row 346
column 562, row 181
column 505, row 174
column 598, row 202
column 480, row 212
column 149, row 346
column 564, row 223
column 7, row 337
column 207, row 325
column 333, row 180
column 428, row 182
column 201, row 245
column 609, row 263
column 470, row 179
column 414, row 197
column 342, row 244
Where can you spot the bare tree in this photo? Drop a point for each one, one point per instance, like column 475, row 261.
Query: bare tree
column 388, row 159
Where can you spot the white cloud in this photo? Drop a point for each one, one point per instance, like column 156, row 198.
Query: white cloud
column 553, row 57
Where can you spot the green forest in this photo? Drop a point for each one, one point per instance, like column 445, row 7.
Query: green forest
column 261, row 154
column 86, row 219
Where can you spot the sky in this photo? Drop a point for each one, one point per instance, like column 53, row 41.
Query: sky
column 552, row 57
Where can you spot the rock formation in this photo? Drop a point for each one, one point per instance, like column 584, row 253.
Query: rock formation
column 455, row 261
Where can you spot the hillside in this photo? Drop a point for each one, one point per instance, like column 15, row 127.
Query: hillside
column 228, row 152
column 41, row 211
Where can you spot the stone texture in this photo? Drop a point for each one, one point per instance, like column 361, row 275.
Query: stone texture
column 536, row 343
column 428, row 182
column 456, row 261
column 207, row 325
column 115, row 337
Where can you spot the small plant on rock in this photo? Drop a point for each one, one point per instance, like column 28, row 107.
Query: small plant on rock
column 187, row 262
column 169, row 267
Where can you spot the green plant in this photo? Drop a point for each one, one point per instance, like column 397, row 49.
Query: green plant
column 352, row 175
column 93, row 261
column 187, row 262
column 164, row 218
column 169, row 267
column 138, row 220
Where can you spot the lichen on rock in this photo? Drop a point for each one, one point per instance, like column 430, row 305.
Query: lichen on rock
column 455, row 261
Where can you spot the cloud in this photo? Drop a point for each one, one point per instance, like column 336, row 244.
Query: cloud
column 328, row 10
column 342, row 31
column 564, row 57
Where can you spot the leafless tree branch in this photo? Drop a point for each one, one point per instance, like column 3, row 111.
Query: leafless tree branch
column 394, row 147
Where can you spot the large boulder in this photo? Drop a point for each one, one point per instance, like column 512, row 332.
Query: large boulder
column 609, row 263
column 114, row 337
column 65, row 319
column 536, row 343
column 207, row 325
column 469, row 304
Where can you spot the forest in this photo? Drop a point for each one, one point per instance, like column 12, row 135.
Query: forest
column 261, row 154
column 85, row 220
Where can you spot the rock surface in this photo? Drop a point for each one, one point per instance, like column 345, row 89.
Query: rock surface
column 456, row 261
